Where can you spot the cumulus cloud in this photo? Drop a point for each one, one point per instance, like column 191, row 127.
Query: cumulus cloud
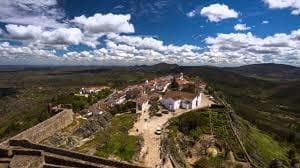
column 224, row 49
column 26, row 55
column 44, row 13
column 36, row 35
column 241, row 48
column 108, row 23
column 217, row 12
column 23, row 32
column 62, row 36
column 241, row 27
column 89, row 31
column 281, row 4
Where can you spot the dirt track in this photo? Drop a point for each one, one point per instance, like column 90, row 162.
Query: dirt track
column 150, row 152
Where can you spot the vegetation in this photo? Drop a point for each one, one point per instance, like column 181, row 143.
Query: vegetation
column 26, row 91
column 208, row 121
column 174, row 85
column 270, row 105
column 153, row 106
column 129, row 106
column 190, row 88
column 210, row 162
column 79, row 102
column 262, row 147
column 115, row 141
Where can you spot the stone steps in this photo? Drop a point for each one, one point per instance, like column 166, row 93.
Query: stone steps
column 5, row 160
column 59, row 160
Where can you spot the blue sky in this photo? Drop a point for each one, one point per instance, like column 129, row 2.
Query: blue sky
column 129, row 32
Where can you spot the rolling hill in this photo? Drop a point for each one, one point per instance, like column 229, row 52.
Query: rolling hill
column 268, row 71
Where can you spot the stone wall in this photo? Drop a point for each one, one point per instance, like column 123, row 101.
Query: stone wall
column 46, row 128
column 70, row 154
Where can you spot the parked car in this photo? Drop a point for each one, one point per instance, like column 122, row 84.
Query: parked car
column 165, row 112
column 158, row 131
column 159, row 114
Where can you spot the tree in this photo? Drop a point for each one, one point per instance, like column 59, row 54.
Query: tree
column 174, row 85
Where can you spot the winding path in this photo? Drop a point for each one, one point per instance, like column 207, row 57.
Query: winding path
column 145, row 126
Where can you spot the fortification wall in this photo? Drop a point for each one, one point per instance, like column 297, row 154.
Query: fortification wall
column 46, row 128
column 70, row 154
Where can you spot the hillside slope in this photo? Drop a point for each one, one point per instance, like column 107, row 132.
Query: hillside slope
column 268, row 71
column 272, row 106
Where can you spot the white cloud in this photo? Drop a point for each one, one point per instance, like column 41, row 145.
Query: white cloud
column 191, row 13
column 265, row 22
column 62, row 36
column 31, row 12
column 241, row 48
column 93, row 28
column 281, row 4
column 24, row 32
column 108, row 23
column 37, row 36
column 26, row 55
column 224, row 50
column 218, row 12
column 241, row 27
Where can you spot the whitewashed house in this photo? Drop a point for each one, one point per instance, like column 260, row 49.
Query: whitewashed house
column 191, row 103
column 174, row 100
column 90, row 90
column 142, row 103
column 171, row 103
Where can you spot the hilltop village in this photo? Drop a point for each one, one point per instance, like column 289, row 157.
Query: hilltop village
column 170, row 92
column 127, row 124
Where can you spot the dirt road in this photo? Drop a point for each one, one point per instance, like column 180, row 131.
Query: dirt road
column 150, row 152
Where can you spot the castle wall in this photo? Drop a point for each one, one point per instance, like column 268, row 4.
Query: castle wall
column 71, row 154
column 46, row 128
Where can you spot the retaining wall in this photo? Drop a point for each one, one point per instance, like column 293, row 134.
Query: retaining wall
column 46, row 128
column 71, row 154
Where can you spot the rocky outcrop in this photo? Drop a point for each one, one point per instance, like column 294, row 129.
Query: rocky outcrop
column 93, row 125
column 85, row 129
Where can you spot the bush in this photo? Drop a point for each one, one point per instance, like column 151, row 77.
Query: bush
column 123, row 108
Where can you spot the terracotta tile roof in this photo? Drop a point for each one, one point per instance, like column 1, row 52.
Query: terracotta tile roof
column 179, row 95
column 96, row 87
column 142, row 99
column 182, row 82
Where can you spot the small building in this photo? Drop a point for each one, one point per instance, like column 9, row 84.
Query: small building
column 142, row 103
column 173, row 100
column 94, row 89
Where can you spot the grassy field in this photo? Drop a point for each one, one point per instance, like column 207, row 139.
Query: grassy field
column 261, row 146
column 115, row 141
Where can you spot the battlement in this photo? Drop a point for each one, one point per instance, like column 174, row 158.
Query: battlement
column 46, row 128
column 46, row 156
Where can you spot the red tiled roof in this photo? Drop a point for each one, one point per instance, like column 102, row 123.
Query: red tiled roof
column 179, row 95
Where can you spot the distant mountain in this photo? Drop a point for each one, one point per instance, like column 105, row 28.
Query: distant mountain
column 162, row 67
column 268, row 71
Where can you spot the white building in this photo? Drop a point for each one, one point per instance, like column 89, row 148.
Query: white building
column 171, row 103
column 95, row 89
column 174, row 100
column 142, row 104
column 191, row 104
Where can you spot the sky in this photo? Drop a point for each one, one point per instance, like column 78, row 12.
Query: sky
column 139, row 32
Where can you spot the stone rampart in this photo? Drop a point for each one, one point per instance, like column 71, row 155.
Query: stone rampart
column 71, row 154
column 46, row 128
